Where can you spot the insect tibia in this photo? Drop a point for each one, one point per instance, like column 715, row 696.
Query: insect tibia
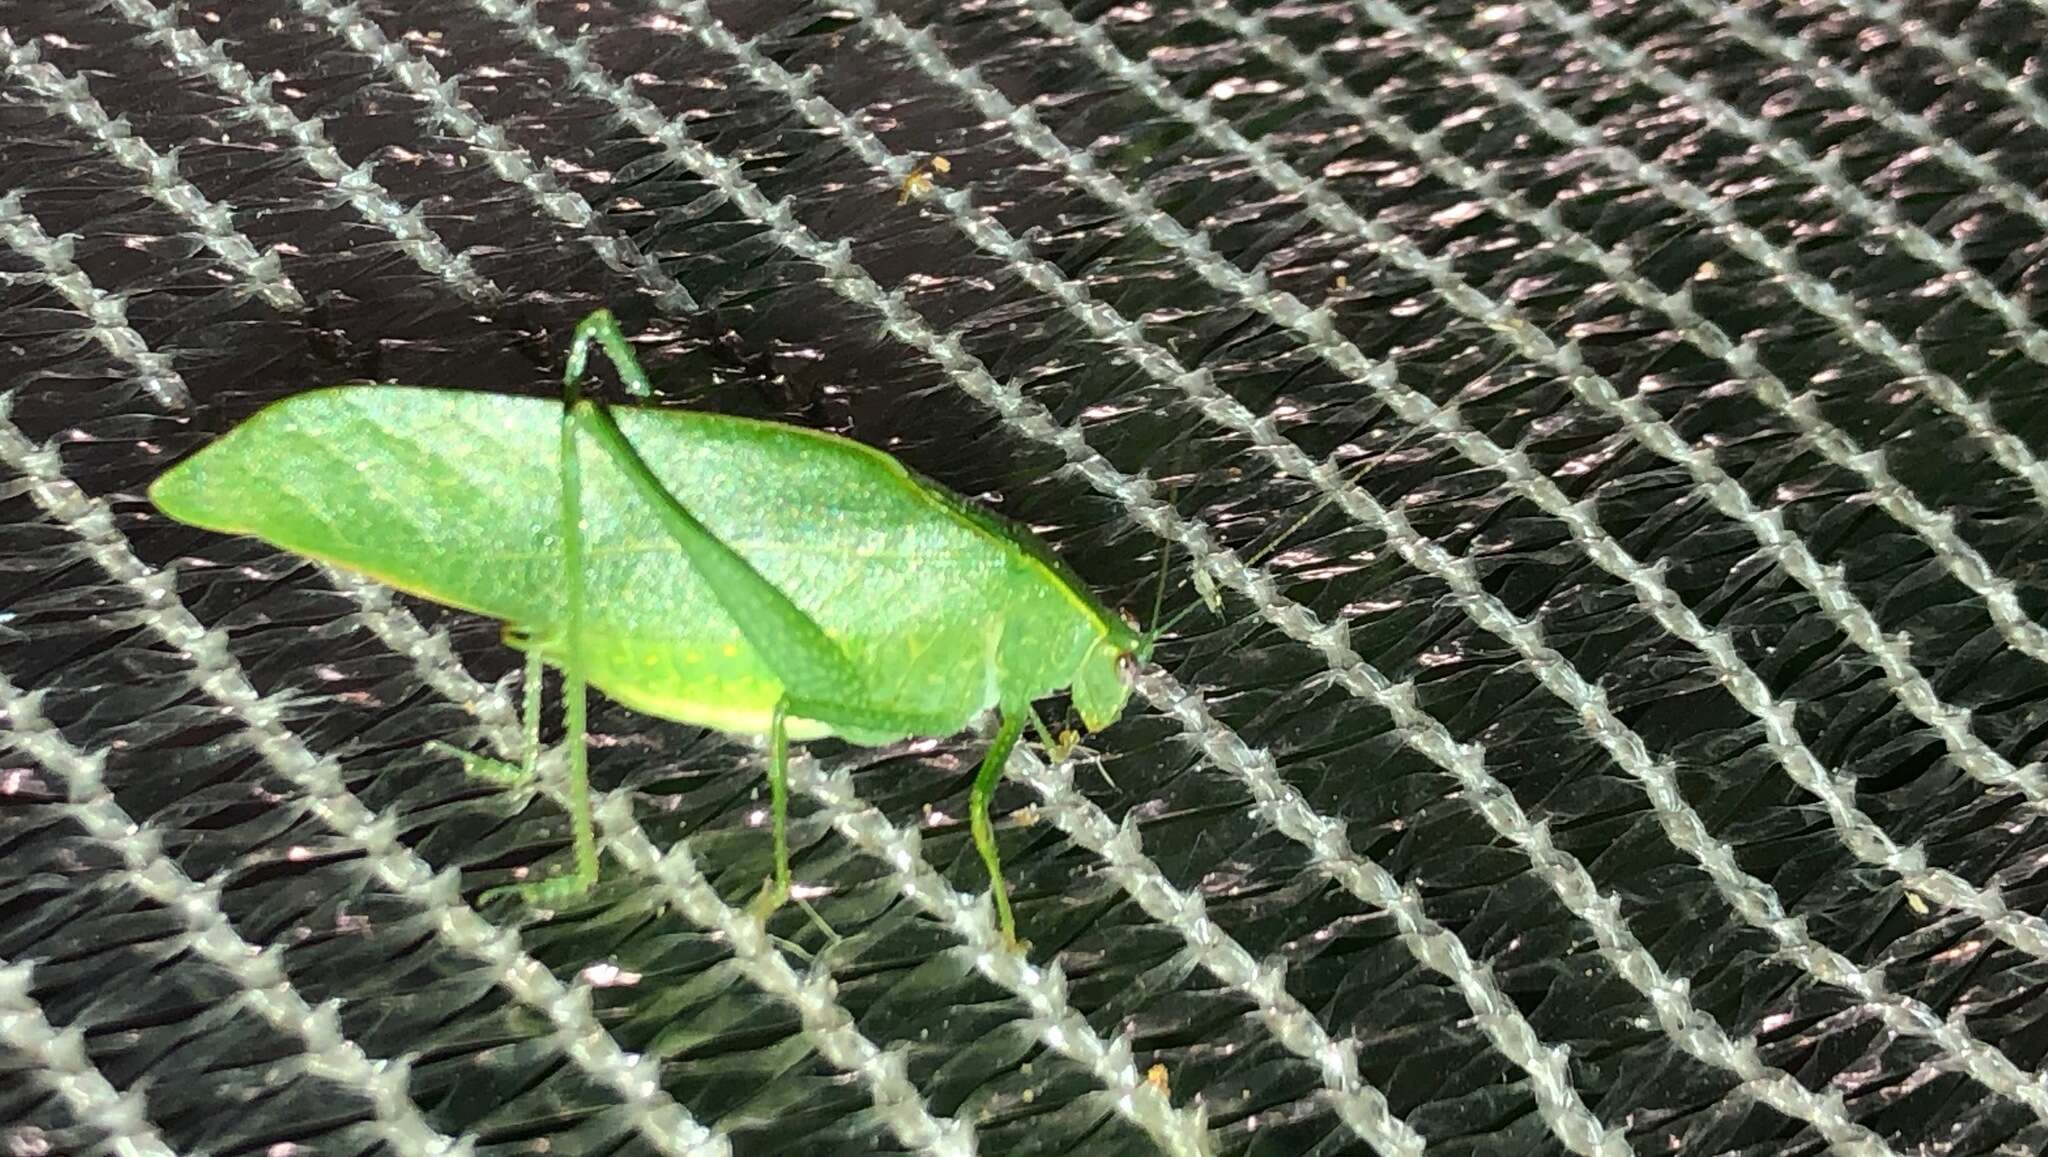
column 552, row 892
column 602, row 328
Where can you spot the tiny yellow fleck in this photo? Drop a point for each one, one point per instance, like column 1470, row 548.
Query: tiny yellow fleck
column 729, row 651
column 1064, row 745
column 1343, row 282
column 1917, row 903
column 1025, row 816
column 692, row 657
column 1707, row 271
column 1156, row 1077
column 918, row 181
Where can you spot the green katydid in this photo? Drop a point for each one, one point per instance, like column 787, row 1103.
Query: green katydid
column 736, row 574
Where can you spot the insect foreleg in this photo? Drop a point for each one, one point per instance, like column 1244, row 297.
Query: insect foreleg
column 985, row 782
column 1055, row 749
column 602, row 328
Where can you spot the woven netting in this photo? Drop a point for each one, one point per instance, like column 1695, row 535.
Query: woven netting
column 1627, row 744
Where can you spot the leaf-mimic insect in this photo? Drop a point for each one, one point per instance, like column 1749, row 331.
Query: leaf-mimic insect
column 736, row 574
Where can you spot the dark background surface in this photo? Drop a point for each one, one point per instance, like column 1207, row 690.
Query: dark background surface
column 1435, row 884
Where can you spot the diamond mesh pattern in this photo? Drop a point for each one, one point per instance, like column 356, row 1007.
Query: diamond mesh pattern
column 1635, row 749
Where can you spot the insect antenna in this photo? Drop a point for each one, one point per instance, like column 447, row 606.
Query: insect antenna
column 1266, row 551
column 1159, row 594
column 1159, row 629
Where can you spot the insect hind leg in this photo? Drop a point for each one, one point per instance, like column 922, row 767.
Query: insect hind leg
column 601, row 327
column 575, row 717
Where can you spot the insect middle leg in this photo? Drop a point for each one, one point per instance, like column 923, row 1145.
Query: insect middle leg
column 985, row 782
column 776, row 889
column 500, row 772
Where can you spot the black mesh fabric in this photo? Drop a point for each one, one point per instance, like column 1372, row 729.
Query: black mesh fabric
column 1608, row 435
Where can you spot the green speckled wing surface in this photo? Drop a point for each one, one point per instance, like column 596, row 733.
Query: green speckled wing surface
column 455, row 496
